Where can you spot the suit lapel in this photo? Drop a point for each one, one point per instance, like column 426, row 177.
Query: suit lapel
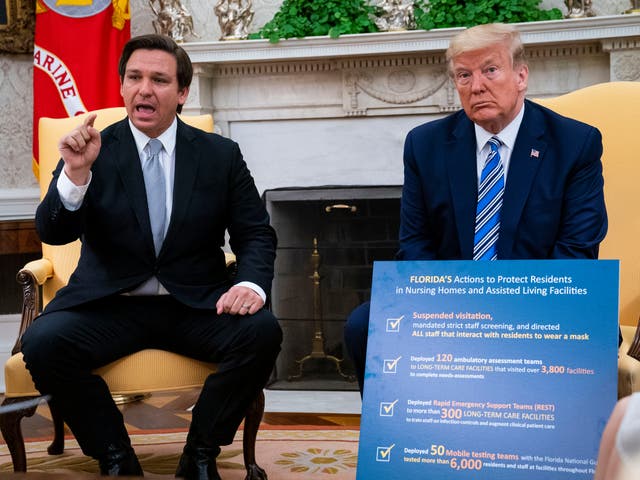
column 463, row 182
column 526, row 158
column 186, row 169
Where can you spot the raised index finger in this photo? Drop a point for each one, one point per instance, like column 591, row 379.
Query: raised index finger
column 88, row 122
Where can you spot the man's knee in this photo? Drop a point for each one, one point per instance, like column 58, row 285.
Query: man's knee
column 47, row 354
column 357, row 326
column 38, row 343
column 57, row 344
column 268, row 333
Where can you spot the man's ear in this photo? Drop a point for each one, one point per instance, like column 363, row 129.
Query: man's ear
column 183, row 95
column 523, row 77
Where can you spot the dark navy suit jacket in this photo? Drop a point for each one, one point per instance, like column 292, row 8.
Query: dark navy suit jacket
column 213, row 191
column 553, row 201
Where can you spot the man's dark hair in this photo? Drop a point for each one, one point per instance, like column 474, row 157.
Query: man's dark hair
column 153, row 41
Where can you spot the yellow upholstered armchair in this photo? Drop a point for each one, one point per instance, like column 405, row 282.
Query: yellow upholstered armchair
column 614, row 108
column 139, row 373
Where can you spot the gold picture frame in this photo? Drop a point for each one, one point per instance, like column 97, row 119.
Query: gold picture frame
column 17, row 24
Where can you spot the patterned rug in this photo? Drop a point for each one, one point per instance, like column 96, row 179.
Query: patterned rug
column 285, row 454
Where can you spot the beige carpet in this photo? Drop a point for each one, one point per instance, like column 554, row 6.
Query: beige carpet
column 285, row 454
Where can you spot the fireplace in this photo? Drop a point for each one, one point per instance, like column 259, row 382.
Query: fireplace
column 328, row 238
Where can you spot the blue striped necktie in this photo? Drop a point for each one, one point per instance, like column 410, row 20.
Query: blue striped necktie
column 490, row 194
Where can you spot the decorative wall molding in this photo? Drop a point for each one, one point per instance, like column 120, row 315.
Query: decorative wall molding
column 395, row 87
column 219, row 70
column 621, row 44
column 564, row 50
column 281, row 68
column 18, row 203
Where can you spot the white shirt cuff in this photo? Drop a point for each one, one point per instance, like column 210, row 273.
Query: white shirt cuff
column 255, row 288
column 71, row 195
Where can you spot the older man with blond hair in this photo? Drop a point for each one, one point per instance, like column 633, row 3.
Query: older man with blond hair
column 503, row 178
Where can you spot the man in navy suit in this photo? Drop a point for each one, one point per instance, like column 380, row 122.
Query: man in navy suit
column 553, row 201
column 131, row 292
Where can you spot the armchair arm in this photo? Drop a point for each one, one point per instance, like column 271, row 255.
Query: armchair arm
column 232, row 266
column 634, row 349
column 41, row 270
column 30, row 278
column 628, row 366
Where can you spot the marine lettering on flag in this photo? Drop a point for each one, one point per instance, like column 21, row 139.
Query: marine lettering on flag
column 76, row 53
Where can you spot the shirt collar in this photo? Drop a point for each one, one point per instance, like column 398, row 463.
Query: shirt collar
column 167, row 138
column 507, row 136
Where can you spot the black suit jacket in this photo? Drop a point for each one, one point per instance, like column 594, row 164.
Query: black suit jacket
column 213, row 192
column 553, row 204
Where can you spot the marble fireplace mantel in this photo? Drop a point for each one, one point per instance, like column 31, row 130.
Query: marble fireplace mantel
column 615, row 27
column 320, row 111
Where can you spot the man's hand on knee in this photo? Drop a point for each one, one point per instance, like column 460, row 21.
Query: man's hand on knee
column 239, row 300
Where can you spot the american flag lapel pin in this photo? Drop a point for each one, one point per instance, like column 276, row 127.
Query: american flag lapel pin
column 534, row 153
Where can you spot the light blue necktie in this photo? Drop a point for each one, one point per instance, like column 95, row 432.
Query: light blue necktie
column 156, row 193
column 490, row 194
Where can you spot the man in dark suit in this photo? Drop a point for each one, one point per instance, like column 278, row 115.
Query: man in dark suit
column 551, row 202
column 154, row 280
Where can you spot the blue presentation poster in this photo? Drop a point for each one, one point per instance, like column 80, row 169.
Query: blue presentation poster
column 501, row 370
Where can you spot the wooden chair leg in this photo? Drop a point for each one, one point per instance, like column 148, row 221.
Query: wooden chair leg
column 251, row 425
column 12, row 431
column 57, row 445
